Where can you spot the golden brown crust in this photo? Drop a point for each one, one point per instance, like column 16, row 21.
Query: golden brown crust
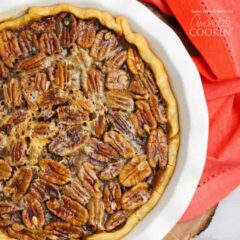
column 120, row 26
column 4, row 237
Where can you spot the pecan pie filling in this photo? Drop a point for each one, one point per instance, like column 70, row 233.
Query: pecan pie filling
column 83, row 130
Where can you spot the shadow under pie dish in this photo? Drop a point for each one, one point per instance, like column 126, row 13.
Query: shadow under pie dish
column 89, row 126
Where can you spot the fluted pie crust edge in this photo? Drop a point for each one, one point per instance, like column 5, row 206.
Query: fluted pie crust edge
column 121, row 27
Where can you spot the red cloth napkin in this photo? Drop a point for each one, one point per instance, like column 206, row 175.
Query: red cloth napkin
column 213, row 27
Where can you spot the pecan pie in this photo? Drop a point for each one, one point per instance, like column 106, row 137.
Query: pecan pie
column 88, row 126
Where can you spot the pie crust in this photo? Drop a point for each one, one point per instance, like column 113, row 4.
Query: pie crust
column 121, row 27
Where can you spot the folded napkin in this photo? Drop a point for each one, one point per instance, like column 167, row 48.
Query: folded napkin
column 213, row 27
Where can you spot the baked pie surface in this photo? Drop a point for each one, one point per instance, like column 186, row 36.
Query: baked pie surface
column 89, row 126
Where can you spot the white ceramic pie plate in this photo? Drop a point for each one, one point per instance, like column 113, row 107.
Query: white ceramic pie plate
column 186, row 84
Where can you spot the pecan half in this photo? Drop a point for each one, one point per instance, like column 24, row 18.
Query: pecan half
column 8, row 207
column 120, row 100
column 68, row 210
column 51, row 98
column 119, row 143
column 104, row 43
column 112, row 195
column 112, row 170
column 143, row 118
column 33, row 214
column 116, row 62
column 43, row 190
column 49, row 43
column 6, row 170
column 18, row 231
column 100, row 125
column 138, row 90
column 3, row 70
column 84, row 104
column 157, row 109
column 32, row 64
column 68, row 142
column 43, row 129
column 143, row 85
column 157, row 148
column 72, row 115
column 149, row 82
column 66, row 29
column 28, row 42
column 18, row 184
column 77, row 192
column 117, row 80
column 54, row 172
column 135, row 197
column 17, row 151
column 63, row 231
column 96, row 213
column 93, row 83
column 12, row 94
column 135, row 171
column 81, row 57
column 87, row 33
column 63, row 76
column 89, row 179
column 134, row 61
column 116, row 220
column 41, row 82
column 100, row 151
column 9, row 48
column 120, row 121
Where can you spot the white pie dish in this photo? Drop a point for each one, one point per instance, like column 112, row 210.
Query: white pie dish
column 187, row 88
